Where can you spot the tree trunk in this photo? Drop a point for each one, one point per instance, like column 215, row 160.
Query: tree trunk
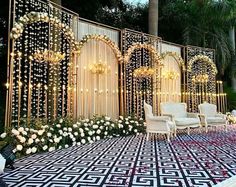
column 153, row 17
column 232, row 41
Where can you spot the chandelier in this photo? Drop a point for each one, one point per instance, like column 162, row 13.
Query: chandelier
column 98, row 68
column 202, row 78
column 48, row 56
column 171, row 75
column 144, row 72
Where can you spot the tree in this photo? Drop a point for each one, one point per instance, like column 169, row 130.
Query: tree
column 153, row 17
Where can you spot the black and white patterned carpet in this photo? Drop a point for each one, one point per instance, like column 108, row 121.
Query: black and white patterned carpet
column 197, row 160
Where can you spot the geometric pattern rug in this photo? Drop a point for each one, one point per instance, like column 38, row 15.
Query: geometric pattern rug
column 198, row 159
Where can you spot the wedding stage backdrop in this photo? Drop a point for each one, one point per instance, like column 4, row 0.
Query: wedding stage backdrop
column 61, row 65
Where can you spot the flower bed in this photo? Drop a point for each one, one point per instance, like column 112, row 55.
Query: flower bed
column 63, row 133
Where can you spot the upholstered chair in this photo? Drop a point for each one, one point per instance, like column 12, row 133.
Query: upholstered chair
column 179, row 115
column 158, row 124
column 210, row 117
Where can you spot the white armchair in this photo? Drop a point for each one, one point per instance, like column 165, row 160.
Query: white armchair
column 158, row 124
column 179, row 115
column 209, row 116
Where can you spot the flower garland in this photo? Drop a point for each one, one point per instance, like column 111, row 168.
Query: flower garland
column 104, row 39
column 136, row 46
column 202, row 58
column 64, row 133
column 176, row 56
column 34, row 17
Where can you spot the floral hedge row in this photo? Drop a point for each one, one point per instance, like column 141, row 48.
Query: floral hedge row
column 64, row 133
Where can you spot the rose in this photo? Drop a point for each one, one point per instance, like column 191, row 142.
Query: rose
column 19, row 147
column 82, row 135
column 22, row 140
column 34, row 136
column 37, row 140
column 15, row 132
column 75, row 125
column 135, row 130
column 34, row 149
column 70, row 129
column 98, row 137
column 28, row 151
column 30, row 141
column 76, row 133
column 95, row 126
column 64, row 129
column 58, row 126
column 49, row 134
column 24, row 133
column 56, row 140
column 83, row 141
column 66, row 146
column 81, row 130
column 78, row 143
column 98, row 131
column 90, row 133
column 51, row 149
column 40, row 132
column 3, row 135
column 21, row 129
column 45, row 147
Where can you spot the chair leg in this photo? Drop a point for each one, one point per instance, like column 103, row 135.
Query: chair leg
column 147, row 136
column 168, row 137
column 188, row 130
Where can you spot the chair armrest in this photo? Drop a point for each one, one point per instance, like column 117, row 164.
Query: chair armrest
column 159, row 118
column 171, row 116
column 192, row 115
column 157, row 125
column 202, row 118
column 221, row 115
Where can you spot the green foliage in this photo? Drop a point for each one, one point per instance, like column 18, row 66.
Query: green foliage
column 231, row 97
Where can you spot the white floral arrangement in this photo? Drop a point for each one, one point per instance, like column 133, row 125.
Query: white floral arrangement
column 64, row 133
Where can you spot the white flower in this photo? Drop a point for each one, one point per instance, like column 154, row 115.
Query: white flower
column 74, row 144
column 91, row 141
column 50, row 140
column 61, row 121
column 105, row 133
column 82, row 135
column 101, row 127
column 30, row 141
column 66, row 146
column 73, row 139
column 65, row 134
column 127, row 122
column 34, row 136
column 60, row 147
column 140, row 118
column 124, row 131
column 112, row 125
column 3, row 135
column 87, row 129
column 81, row 130
column 64, row 129
column 42, row 140
column 21, row 129
column 15, row 132
column 49, row 134
column 95, row 126
column 78, row 143
column 58, row 126
column 121, row 117
column 60, row 132
column 98, row 131
column 88, row 138
column 70, row 129
column 135, row 130
column 28, row 151
column 37, row 140
column 75, row 125
column 22, row 140
column 26, row 129
column 120, row 121
column 40, row 132
column 102, row 121
column 85, row 124
column 45, row 147
column 24, row 133
column 83, row 141
column 94, row 138
column 19, row 147
column 98, row 122
column 98, row 137
column 131, row 121
column 107, row 123
column 90, row 133
column 107, row 118
column 56, row 140
column 34, row 149
column 51, row 149
column 76, row 133
column 87, row 120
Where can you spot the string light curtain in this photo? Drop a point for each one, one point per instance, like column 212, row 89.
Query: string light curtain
column 37, row 88
column 201, row 77
column 135, row 91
